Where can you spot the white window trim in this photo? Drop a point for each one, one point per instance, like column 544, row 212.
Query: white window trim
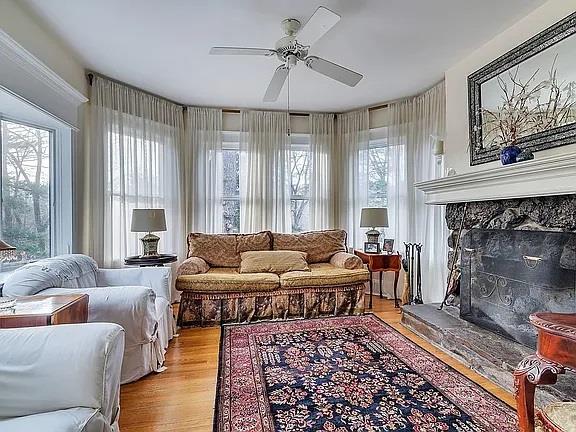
column 61, row 191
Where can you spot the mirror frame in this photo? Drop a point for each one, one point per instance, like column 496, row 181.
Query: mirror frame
column 555, row 137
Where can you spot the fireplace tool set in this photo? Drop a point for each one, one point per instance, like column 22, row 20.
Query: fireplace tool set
column 413, row 268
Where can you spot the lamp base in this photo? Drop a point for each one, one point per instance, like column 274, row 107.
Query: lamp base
column 150, row 246
column 373, row 235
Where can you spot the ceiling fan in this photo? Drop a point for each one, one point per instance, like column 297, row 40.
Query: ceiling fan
column 294, row 47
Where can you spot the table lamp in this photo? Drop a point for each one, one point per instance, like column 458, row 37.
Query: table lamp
column 148, row 220
column 373, row 217
column 6, row 251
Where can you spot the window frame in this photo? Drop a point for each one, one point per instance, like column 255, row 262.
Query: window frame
column 60, row 185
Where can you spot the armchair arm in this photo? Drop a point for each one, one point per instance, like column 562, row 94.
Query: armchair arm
column 59, row 367
column 346, row 261
column 191, row 266
column 156, row 278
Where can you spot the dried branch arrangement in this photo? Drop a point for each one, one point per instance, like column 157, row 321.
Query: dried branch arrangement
column 528, row 107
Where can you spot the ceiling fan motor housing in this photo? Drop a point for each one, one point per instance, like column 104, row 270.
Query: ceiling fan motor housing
column 288, row 46
column 288, row 49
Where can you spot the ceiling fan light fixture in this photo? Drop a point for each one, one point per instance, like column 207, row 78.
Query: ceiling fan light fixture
column 294, row 47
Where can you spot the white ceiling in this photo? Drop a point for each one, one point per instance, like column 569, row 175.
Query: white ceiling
column 401, row 46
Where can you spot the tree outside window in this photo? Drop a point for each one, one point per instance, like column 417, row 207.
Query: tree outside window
column 25, row 211
column 377, row 174
column 300, row 188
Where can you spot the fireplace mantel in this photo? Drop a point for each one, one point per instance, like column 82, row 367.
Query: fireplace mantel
column 545, row 176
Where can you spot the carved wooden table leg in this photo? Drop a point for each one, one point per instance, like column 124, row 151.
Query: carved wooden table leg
column 530, row 372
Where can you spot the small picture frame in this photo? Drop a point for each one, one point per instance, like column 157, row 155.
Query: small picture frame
column 370, row 247
column 388, row 245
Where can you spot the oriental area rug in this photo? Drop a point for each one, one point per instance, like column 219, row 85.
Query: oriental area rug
column 344, row 374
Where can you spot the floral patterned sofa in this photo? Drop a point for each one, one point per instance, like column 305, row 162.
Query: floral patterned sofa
column 214, row 291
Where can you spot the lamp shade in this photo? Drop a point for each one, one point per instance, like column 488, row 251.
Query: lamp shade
column 148, row 220
column 374, row 217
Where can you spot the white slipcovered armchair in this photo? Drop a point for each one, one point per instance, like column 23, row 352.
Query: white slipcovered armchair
column 138, row 299
column 63, row 378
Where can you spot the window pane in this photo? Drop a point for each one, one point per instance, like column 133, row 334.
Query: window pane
column 300, row 215
column 26, row 190
column 231, row 217
column 231, row 172
column 377, row 176
column 300, row 172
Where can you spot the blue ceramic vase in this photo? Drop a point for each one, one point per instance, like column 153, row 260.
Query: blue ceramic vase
column 509, row 154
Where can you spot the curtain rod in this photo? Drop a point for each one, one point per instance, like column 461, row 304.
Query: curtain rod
column 237, row 111
column 90, row 75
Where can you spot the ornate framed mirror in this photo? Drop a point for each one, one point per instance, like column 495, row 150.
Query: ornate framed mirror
column 527, row 96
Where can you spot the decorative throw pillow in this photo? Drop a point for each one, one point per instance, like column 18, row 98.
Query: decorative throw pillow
column 346, row 261
column 192, row 265
column 273, row 262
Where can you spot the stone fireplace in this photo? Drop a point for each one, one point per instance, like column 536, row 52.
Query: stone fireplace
column 518, row 256
column 506, row 275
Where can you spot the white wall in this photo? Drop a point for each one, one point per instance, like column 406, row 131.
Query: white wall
column 457, row 141
column 25, row 29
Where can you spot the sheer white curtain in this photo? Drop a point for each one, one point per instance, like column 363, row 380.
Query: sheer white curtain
column 411, row 125
column 352, row 174
column 132, row 163
column 322, row 150
column 202, row 170
column 265, row 172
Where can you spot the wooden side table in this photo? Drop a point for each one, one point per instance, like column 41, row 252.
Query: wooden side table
column 39, row 310
column 556, row 352
column 382, row 263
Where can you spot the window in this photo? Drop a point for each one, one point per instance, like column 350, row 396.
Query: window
column 231, row 182
column 231, row 197
column 300, row 182
column 378, row 173
column 26, row 190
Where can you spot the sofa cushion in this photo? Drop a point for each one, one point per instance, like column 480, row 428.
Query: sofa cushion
column 273, row 262
column 225, row 279
column 319, row 245
column 223, row 250
column 323, row 274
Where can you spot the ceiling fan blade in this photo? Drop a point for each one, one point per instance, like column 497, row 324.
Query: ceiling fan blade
column 317, row 26
column 241, row 51
column 276, row 84
column 334, row 71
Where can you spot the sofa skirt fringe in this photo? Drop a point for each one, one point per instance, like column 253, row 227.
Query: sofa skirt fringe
column 211, row 309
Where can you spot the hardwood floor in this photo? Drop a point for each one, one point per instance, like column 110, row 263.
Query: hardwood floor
column 182, row 398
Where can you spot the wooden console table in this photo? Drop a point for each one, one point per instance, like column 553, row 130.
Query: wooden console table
column 556, row 352
column 382, row 263
column 41, row 310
